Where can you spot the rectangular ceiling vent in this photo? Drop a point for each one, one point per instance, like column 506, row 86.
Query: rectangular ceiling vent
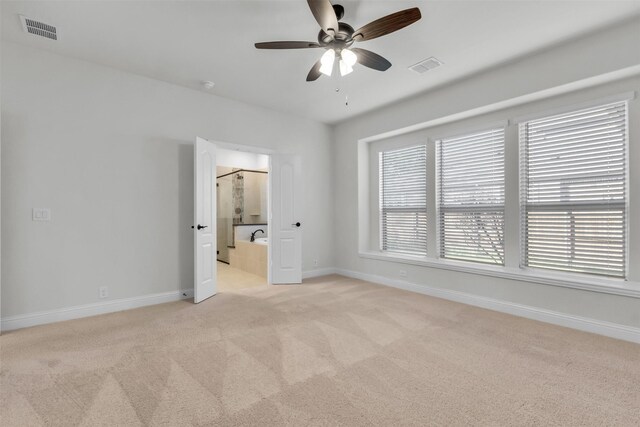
column 39, row 28
column 426, row 65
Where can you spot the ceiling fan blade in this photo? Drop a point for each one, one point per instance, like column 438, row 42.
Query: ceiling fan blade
column 371, row 60
column 387, row 24
column 286, row 45
column 314, row 73
column 325, row 15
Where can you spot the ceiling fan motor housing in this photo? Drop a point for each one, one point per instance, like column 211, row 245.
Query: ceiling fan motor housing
column 343, row 38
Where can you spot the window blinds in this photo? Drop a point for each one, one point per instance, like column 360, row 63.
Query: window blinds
column 471, row 197
column 573, row 191
column 403, row 200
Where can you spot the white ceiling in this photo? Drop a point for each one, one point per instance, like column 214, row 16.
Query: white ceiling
column 186, row 42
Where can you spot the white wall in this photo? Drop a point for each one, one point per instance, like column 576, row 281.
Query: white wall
column 241, row 159
column 0, row 174
column 111, row 154
column 540, row 74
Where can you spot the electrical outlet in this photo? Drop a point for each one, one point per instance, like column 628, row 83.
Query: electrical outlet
column 104, row 292
column 403, row 273
column 315, row 262
column 41, row 214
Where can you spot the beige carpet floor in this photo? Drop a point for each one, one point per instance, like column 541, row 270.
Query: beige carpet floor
column 334, row 351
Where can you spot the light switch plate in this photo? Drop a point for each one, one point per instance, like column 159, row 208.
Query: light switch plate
column 41, row 214
column 103, row 292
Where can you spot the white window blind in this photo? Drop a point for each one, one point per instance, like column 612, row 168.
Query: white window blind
column 471, row 196
column 573, row 195
column 403, row 200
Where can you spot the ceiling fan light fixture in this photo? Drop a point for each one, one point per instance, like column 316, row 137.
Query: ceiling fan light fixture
column 327, row 60
column 345, row 68
column 347, row 61
column 349, row 57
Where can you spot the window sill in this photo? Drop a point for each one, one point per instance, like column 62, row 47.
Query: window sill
column 568, row 280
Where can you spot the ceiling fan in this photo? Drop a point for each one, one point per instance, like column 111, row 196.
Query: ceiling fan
column 338, row 37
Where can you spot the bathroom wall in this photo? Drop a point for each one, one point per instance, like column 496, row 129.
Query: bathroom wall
column 242, row 199
column 255, row 198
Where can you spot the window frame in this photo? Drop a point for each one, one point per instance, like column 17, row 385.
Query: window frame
column 522, row 237
column 514, row 113
column 381, row 208
column 489, row 127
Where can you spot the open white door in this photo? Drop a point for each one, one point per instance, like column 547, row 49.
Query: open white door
column 204, row 220
column 286, row 213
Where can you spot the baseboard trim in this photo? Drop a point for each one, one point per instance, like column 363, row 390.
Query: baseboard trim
column 11, row 323
column 43, row 317
column 613, row 330
column 309, row 274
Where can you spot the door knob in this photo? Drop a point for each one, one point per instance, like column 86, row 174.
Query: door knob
column 297, row 224
column 200, row 227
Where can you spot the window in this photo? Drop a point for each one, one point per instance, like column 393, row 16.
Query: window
column 573, row 195
column 403, row 200
column 471, row 196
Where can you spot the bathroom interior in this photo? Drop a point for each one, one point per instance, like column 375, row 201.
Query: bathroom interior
column 242, row 212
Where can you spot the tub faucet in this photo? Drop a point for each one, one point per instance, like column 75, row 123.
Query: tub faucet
column 253, row 235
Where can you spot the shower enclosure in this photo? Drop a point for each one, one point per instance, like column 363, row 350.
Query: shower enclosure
column 242, row 200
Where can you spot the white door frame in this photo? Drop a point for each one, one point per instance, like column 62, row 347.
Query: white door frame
column 256, row 150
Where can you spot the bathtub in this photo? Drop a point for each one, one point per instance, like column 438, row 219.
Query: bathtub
column 261, row 240
column 250, row 256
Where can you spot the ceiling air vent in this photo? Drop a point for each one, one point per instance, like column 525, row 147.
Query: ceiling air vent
column 426, row 65
column 39, row 28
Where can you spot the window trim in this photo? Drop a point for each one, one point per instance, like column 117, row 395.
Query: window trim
column 585, row 282
column 484, row 127
column 612, row 99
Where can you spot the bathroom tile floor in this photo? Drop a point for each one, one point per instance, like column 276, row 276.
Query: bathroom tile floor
column 232, row 279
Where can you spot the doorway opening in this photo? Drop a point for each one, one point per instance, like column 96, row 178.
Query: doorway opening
column 283, row 229
column 242, row 193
